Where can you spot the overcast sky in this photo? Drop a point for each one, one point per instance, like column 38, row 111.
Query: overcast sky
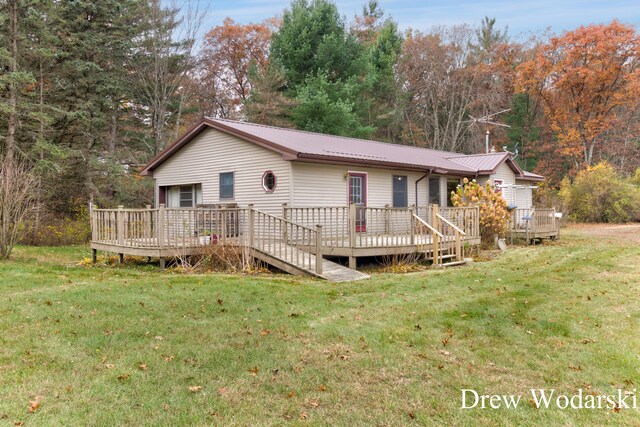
column 522, row 17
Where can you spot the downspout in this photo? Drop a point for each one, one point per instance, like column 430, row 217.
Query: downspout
column 420, row 179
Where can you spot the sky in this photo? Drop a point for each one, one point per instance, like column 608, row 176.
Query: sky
column 522, row 17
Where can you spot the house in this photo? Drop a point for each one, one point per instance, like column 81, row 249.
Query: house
column 295, row 199
column 225, row 162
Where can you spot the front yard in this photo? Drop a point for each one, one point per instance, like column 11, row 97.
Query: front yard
column 134, row 345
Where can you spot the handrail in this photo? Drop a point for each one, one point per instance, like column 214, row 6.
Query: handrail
column 426, row 224
column 284, row 220
column 451, row 225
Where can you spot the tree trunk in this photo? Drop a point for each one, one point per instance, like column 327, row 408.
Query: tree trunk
column 10, row 142
column 113, row 130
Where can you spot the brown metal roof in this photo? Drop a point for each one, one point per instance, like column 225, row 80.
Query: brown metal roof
column 316, row 147
column 483, row 163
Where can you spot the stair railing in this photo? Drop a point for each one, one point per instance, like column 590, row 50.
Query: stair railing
column 286, row 240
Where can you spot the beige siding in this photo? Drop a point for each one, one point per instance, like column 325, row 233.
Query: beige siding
column 508, row 177
column 520, row 195
column 213, row 152
column 524, row 194
column 326, row 185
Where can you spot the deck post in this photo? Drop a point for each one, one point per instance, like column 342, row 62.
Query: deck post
column 412, row 211
column 160, row 226
column 94, row 222
column 387, row 218
column 285, row 216
column 436, row 249
column 94, row 256
column 352, row 226
column 251, row 225
column 120, row 222
column 223, row 225
column 148, row 220
column 318, row 248
column 458, row 246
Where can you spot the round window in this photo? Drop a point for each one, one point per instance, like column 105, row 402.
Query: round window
column 269, row 181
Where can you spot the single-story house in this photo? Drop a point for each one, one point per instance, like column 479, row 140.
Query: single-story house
column 237, row 163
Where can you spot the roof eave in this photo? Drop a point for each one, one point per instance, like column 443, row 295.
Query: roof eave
column 316, row 158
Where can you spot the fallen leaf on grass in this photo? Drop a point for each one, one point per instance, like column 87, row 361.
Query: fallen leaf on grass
column 143, row 366
column 223, row 391
column 304, row 415
column 35, row 404
column 109, row 366
column 265, row 332
column 254, row 371
column 195, row 388
column 165, row 406
column 123, row 377
column 322, row 388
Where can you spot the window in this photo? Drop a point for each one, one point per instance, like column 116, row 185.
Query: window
column 497, row 184
column 434, row 191
column 452, row 186
column 269, row 181
column 226, row 185
column 400, row 196
column 181, row 196
column 186, row 196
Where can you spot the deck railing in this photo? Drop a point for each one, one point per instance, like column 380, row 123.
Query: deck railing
column 467, row 218
column 365, row 227
column 284, row 239
column 168, row 228
column 305, row 228
column 534, row 220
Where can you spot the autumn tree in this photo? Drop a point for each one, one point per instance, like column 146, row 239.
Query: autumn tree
column 586, row 79
column 440, row 87
column 229, row 51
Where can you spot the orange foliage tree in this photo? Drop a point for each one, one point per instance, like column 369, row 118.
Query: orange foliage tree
column 228, row 53
column 586, row 79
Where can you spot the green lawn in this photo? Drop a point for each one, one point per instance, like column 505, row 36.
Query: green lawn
column 107, row 345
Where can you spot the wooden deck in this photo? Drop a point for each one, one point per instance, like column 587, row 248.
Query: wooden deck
column 534, row 224
column 293, row 241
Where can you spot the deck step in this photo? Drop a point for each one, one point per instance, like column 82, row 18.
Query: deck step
column 453, row 263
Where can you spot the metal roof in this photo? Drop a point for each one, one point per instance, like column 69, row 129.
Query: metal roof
column 316, row 147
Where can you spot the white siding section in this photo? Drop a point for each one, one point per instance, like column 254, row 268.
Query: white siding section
column 317, row 184
column 504, row 173
column 524, row 196
column 213, row 152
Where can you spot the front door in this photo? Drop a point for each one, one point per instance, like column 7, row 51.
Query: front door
column 358, row 197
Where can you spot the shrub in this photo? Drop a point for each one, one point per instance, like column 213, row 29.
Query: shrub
column 598, row 194
column 494, row 215
column 60, row 230
column 18, row 187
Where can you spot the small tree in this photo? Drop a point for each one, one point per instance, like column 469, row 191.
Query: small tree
column 18, row 192
column 494, row 215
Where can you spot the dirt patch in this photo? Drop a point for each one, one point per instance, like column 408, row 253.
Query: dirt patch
column 622, row 232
